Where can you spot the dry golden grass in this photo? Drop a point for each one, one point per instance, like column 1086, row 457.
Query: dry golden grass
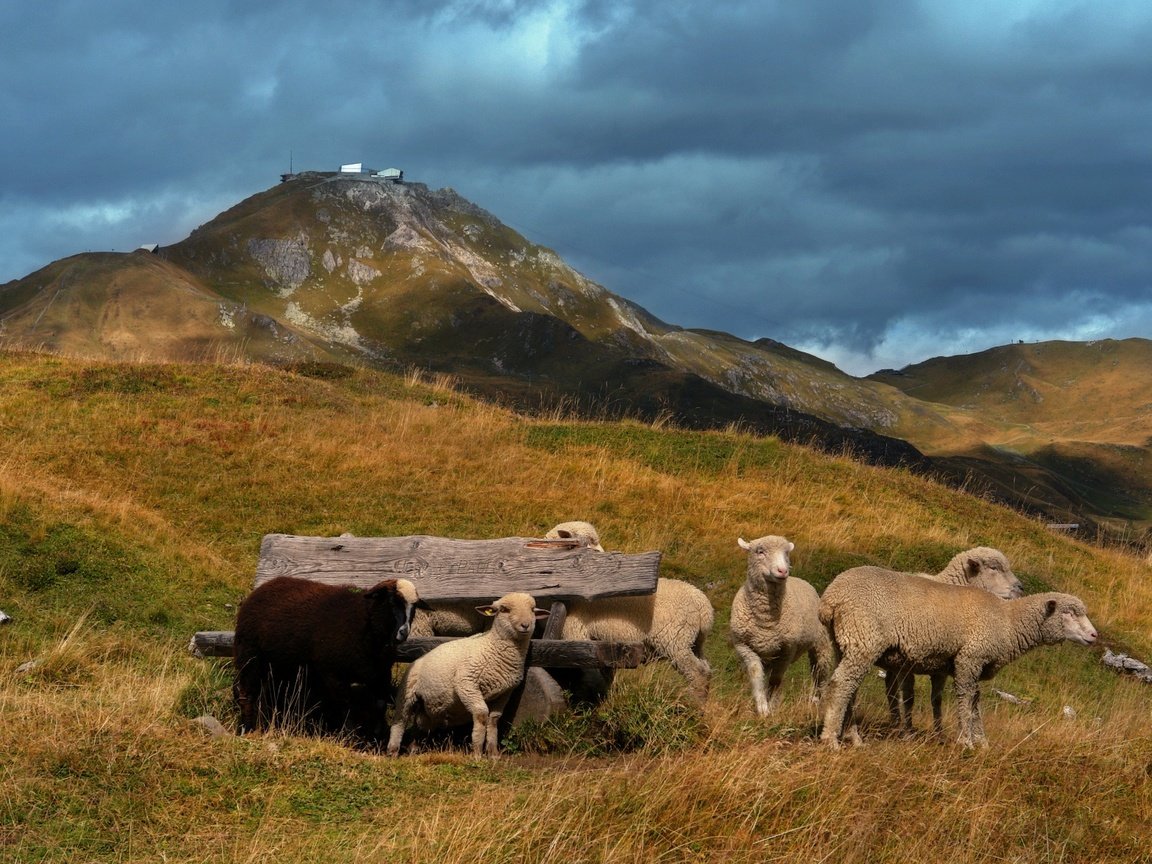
column 132, row 501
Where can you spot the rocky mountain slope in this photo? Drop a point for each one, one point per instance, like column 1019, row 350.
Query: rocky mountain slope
column 356, row 269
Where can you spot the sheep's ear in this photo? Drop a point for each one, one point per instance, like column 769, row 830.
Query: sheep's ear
column 1050, row 608
column 744, row 544
column 791, row 546
column 422, row 604
column 489, row 611
column 541, row 614
column 565, row 535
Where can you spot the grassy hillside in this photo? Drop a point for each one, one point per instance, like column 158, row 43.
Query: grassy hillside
column 1095, row 391
column 137, row 306
column 132, row 502
column 1069, row 419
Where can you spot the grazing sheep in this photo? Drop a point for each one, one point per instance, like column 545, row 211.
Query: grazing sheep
column 775, row 620
column 905, row 621
column 469, row 678
column 319, row 652
column 981, row 567
column 673, row 622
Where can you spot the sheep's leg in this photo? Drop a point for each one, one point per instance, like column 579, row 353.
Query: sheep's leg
column 841, row 693
column 897, row 684
column 776, row 684
column 978, row 735
column 968, row 705
column 696, row 670
column 399, row 724
column 900, row 693
column 247, row 702
column 755, row 669
column 938, row 680
column 405, row 706
column 473, row 701
column 491, row 731
column 821, row 662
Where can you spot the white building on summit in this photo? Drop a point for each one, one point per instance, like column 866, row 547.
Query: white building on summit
column 393, row 174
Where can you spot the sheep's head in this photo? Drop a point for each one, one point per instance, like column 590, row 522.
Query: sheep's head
column 768, row 557
column 986, row 569
column 1066, row 619
column 513, row 616
column 583, row 531
column 393, row 603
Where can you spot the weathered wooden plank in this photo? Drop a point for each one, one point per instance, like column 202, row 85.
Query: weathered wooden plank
column 448, row 570
column 553, row 653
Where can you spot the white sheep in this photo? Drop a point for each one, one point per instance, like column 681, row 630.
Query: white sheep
column 582, row 531
column 469, row 678
column 906, row 621
column 462, row 619
column 981, row 567
column 673, row 622
column 774, row 621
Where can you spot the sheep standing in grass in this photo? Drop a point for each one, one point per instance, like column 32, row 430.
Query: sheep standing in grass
column 775, row 620
column 469, row 679
column 905, row 621
column 673, row 622
column 981, row 567
column 321, row 652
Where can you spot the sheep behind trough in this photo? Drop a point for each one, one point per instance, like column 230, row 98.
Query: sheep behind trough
column 673, row 622
column 462, row 619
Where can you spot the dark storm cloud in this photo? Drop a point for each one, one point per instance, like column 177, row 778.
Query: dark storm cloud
column 875, row 181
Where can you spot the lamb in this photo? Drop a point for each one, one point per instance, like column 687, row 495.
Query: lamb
column 469, row 678
column 673, row 622
column 981, row 567
column 775, row 620
column 903, row 620
column 462, row 619
column 320, row 652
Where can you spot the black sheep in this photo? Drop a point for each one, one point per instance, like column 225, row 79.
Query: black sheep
column 320, row 655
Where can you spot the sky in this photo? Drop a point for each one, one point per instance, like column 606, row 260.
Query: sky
column 876, row 182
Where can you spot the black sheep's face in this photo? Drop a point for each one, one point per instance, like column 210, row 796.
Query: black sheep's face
column 394, row 604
